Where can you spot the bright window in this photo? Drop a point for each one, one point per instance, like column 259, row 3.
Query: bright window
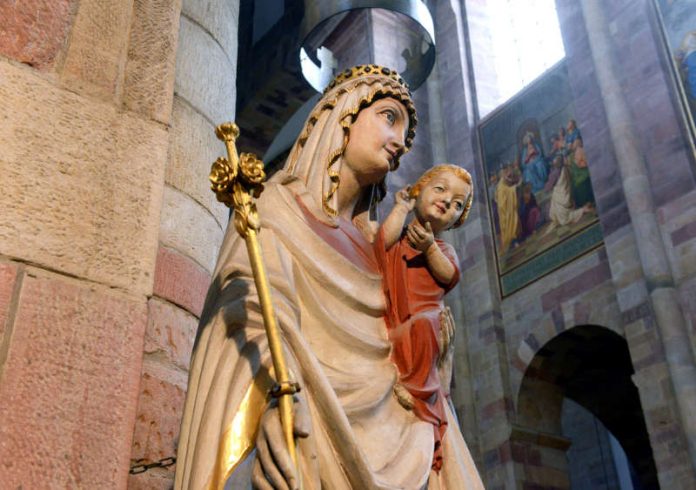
column 513, row 42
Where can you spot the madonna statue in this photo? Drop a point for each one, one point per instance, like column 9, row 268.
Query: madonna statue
column 316, row 237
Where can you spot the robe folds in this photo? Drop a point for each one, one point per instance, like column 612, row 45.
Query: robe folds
column 327, row 295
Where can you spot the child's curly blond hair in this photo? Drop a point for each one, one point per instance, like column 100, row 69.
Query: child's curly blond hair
column 459, row 172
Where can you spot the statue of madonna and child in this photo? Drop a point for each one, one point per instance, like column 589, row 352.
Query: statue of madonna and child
column 373, row 409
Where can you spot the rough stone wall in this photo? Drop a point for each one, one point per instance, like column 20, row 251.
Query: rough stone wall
column 191, row 226
column 82, row 168
column 109, row 232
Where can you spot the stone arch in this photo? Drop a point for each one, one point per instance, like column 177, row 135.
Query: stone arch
column 590, row 365
column 561, row 319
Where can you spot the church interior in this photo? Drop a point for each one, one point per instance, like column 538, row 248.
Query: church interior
column 575, row 347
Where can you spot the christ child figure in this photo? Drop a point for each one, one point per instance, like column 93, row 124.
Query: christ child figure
column 418, row 269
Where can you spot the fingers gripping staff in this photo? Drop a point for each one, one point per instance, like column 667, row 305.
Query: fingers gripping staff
column 236, row 181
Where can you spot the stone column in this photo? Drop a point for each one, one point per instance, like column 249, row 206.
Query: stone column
column 481, row 393
column 636, row 186
column 191, row 226
column 436, row 129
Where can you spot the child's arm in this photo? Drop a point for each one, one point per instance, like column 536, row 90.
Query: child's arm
column 439, row 264
column 394, row 222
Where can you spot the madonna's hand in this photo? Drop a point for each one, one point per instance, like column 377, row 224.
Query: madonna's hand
column 447, row 330
column 273, row 468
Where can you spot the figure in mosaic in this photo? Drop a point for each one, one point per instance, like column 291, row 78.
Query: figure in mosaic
column 530, row 213
column 580, row 174
column 562, row 210
column 686, row 55
column 316, row 237
column 507, row 203
column 535, row 170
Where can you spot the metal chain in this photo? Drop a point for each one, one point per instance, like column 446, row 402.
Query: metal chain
column 142, row 468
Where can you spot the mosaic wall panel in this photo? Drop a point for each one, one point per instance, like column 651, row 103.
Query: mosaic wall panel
column 539, row 191
column 677, row 20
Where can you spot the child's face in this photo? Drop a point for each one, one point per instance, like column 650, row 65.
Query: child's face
column 441, row 201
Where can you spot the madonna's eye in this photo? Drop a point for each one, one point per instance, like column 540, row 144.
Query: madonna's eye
column 389, row 116
column 458, row 205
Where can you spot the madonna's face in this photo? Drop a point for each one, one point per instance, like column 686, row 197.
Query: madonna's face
column 376, row 140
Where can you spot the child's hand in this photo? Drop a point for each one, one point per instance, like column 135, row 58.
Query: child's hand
column 402, row 197
column 420, row 238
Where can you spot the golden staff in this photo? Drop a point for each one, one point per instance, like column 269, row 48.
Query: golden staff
column 237, row 181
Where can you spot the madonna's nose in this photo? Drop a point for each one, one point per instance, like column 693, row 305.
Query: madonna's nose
column 397, row 147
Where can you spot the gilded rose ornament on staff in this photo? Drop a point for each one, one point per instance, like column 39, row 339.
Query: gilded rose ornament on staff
column 237, row 181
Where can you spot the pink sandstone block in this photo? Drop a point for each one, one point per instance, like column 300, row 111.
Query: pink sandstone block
column 154, row 479
column 34, row 31
column 170, row 332
column 683, row 234
column 587, row 279
column 505, row 452
column 496, row 408
column 69, row 389
column 8, row 276
column 180, row 280
column 518, row 452
column 160, row 408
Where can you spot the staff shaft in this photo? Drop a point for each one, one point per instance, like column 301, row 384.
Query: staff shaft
column 285, row 401
column 236, row 182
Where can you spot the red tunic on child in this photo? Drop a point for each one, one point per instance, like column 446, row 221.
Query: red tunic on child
column 414, row 303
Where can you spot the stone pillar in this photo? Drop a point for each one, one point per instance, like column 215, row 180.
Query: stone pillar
column 436, row 129
column 663, row 296
column 191, row 226
column 84, row 141
column 481, row 393
column 540, row 459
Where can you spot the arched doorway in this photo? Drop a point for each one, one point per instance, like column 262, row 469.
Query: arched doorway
column 591, row 366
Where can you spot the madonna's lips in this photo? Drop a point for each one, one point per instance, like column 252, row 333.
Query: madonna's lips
column 392, row 155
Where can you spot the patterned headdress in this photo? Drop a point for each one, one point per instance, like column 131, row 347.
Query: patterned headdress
column 317, row 154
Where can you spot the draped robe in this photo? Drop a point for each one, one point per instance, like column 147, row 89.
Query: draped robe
column 328, row 298
column 562, row 210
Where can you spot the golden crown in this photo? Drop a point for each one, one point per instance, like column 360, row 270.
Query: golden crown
column 367, row 70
